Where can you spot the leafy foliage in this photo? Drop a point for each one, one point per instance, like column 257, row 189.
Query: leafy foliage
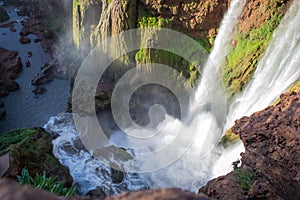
column 244, row 178
column 46, row 183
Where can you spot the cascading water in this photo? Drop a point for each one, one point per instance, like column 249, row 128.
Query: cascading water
column 276, row 71
column 190, row 171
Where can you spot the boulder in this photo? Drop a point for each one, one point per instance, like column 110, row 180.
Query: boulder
column 24, row 40
column 32, row 148
column 39, row 90
column 44, row 76
column 10, row 67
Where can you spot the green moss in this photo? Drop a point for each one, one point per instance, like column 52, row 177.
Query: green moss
column 244, row 57
column 229, row 138
column 244, row 178
column 147, row 21
column 13, row 138
column 32, row 148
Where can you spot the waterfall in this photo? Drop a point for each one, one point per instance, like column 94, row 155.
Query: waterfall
column 202, row 160
column 193, row 169
column 276, row 71
column 205, row 120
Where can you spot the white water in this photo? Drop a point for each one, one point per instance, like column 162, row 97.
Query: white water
column 87, row 172
column 277, row 70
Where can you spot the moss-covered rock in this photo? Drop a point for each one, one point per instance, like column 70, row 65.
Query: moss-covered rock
column 32, row 148
column 229, row 138
column 258, row 21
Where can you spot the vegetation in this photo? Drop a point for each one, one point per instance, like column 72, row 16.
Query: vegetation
column 32, row 148
column 244, row 178
column 229, row 138
column 46, row 183
column 245, row 55
column 147, row 22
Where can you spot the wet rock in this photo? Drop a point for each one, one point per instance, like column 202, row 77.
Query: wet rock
column 98, row 192
column 29, row 53
column 3, row 15
column 44, row 76
column 24, row 40
column 114, row 155
column 2, row 115
column 7, row 24
column 271, row 138
column 7, row 86
column 12, row 29
column 36, row 40
column 117, row 176
column 39, row 90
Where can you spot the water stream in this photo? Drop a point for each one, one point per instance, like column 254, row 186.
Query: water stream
column 23, row 107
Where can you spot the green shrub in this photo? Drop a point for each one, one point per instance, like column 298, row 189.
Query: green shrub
column 244, row 178
column 46, row 183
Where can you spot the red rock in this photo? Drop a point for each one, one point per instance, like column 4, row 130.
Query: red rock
column 271, row 138
column 161, row 194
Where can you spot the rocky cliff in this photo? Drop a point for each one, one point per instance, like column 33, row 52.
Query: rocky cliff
column 270, row 164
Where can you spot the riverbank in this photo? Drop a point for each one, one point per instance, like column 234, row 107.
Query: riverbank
column 26, row 106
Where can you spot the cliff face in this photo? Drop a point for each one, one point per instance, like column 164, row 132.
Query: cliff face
column 270, row 164
column 198, row 19
column 254, row 32
column 94, row 20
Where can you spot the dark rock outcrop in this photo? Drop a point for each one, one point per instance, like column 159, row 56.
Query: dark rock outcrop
column 270, row 164
column 10, row 67
column 24, row 40
column 39, row 90
column 32, row 148
column 3, row 15
column 45, row 75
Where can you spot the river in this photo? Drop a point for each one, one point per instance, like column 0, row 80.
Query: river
column 23, row 107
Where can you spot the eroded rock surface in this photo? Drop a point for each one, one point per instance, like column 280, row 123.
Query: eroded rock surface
column 271, row 162
column 10, row 67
